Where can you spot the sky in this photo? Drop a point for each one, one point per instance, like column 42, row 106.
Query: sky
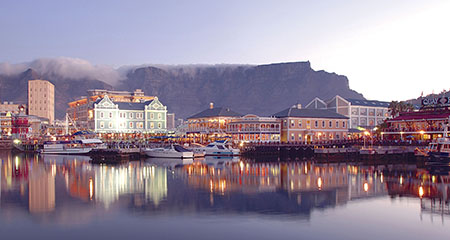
column 389, row 50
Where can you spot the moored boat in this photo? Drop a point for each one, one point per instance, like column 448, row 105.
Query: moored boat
column 71, row 147
column 218, row 148
column 174, row 151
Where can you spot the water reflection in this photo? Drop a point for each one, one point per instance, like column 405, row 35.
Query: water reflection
column 57, row 185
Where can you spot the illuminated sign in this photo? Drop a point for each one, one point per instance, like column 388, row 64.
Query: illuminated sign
column 437, row 101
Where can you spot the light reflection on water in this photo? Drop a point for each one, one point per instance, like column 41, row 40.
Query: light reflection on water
column 58, row 196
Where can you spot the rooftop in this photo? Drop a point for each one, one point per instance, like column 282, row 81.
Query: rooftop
column 367, row 103
column 310, row 113
column 216, row 112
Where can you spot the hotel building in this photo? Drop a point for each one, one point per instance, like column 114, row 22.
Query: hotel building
column 41, row 99
column 210, row 123
column 362, row 113
column 255, row 129
column 120, row 112
column 310, row 125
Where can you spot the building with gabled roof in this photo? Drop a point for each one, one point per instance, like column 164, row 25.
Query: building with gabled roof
column 125, row 113
column 361, row 113
column 311, row 125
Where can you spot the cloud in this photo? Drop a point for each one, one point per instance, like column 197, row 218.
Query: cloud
column 74, row 68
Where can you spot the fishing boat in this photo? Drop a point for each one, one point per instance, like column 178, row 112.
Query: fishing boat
column 71, row 147
column 218, row 148
column 173, row 151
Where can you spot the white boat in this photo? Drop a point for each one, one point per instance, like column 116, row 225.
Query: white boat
column 440, row 148
column 71, row 147
column 174, row 151
column 218, row 148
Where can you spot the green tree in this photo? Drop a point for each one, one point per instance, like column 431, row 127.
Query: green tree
column 396, row 107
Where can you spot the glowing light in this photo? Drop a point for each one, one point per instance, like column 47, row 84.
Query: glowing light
column 421, row 192
column 17, row 141
column 91, row 189
column 366, row 133
column 319, row 183
column 401, row 180
column 421, row 132
column 366, row 187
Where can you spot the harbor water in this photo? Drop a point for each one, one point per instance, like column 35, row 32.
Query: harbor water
column 68, row 197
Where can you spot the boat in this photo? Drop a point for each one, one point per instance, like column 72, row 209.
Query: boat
column 173, row 151
column 218, row 148
column 440, row 149
column 71, row 147
column 194, row 147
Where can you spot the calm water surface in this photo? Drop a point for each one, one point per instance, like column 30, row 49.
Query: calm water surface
column 66, row 197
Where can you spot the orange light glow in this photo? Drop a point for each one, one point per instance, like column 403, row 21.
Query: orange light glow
column 319, row 183
column 366, row 187
column 421, row 192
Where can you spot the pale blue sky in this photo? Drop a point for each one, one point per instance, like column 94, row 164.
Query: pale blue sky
column 372, row 42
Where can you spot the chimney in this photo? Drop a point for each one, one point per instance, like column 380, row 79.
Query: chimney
column 211, row 105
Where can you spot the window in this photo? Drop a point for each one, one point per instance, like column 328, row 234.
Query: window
column 299, row 123
column 152, row 125
column 101, row 115
column 159, row 116
column 299, row 137
column 337, row 124
column 292, row 123
column 159, row 125
column 292, row 137
column 323, row 124
column 316, row 124
column 102, row 125
column 131, row 124
column 110, row 115
column 343, row 124
column 330, row 124
column 140, row 125
column 131, row 115
column 284, row 123
column 110, row 125
column 152, row 116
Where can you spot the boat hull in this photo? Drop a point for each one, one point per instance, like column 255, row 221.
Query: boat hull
column 168, row 154
column 73, row 151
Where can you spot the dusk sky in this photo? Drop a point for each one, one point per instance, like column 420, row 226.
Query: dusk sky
column 389, row 50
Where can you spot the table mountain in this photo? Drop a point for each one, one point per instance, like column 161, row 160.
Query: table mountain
column 186, row 90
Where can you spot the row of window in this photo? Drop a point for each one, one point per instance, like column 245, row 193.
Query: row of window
column 316, row 124
column 370, row 112
column 132, row 115
column 319, row 136
column 139, row 125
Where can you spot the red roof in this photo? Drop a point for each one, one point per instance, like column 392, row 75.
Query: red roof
column 424, row 115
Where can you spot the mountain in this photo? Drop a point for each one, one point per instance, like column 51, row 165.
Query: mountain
column 14, row 88
column 186, row 90
column 262, row 89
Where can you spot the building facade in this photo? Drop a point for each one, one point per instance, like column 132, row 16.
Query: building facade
column 120, row 113
column 210, row 123
column 41, row 99
column 254, row 129
column 361, row 113
column 311, row 125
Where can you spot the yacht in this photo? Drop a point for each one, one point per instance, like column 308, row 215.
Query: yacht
column 71, row 147
column 218, row 148
column 174, row 151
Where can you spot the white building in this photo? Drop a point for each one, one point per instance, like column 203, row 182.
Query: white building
column 361, row 113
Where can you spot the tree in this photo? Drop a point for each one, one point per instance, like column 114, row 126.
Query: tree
column 395, row 108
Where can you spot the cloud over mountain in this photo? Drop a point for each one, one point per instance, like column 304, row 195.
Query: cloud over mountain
column 70, row 68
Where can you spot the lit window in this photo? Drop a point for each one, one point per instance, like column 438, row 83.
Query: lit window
column 102, row 124
column 292, row 123
column 152, row 125
column 131, row 124
column 299, row 123
column 292, row 137
column 110, row 125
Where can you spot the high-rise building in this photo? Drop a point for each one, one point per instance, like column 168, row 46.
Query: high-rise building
column 41, row 99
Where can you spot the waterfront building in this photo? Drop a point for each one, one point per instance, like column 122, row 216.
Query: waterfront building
column 310, row 125
column 361, row 113
column 122, row 112
column 171, row 122
column 429, row 122
column 7, row 111
column 255, row 129
column 41, row 99
column 10, row 107
column 210, row 124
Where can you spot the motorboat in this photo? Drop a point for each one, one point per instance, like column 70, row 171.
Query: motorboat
column 218, row 148
column 440, row 149
column 173, row 151
column 195, row 147
column 71, row 147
